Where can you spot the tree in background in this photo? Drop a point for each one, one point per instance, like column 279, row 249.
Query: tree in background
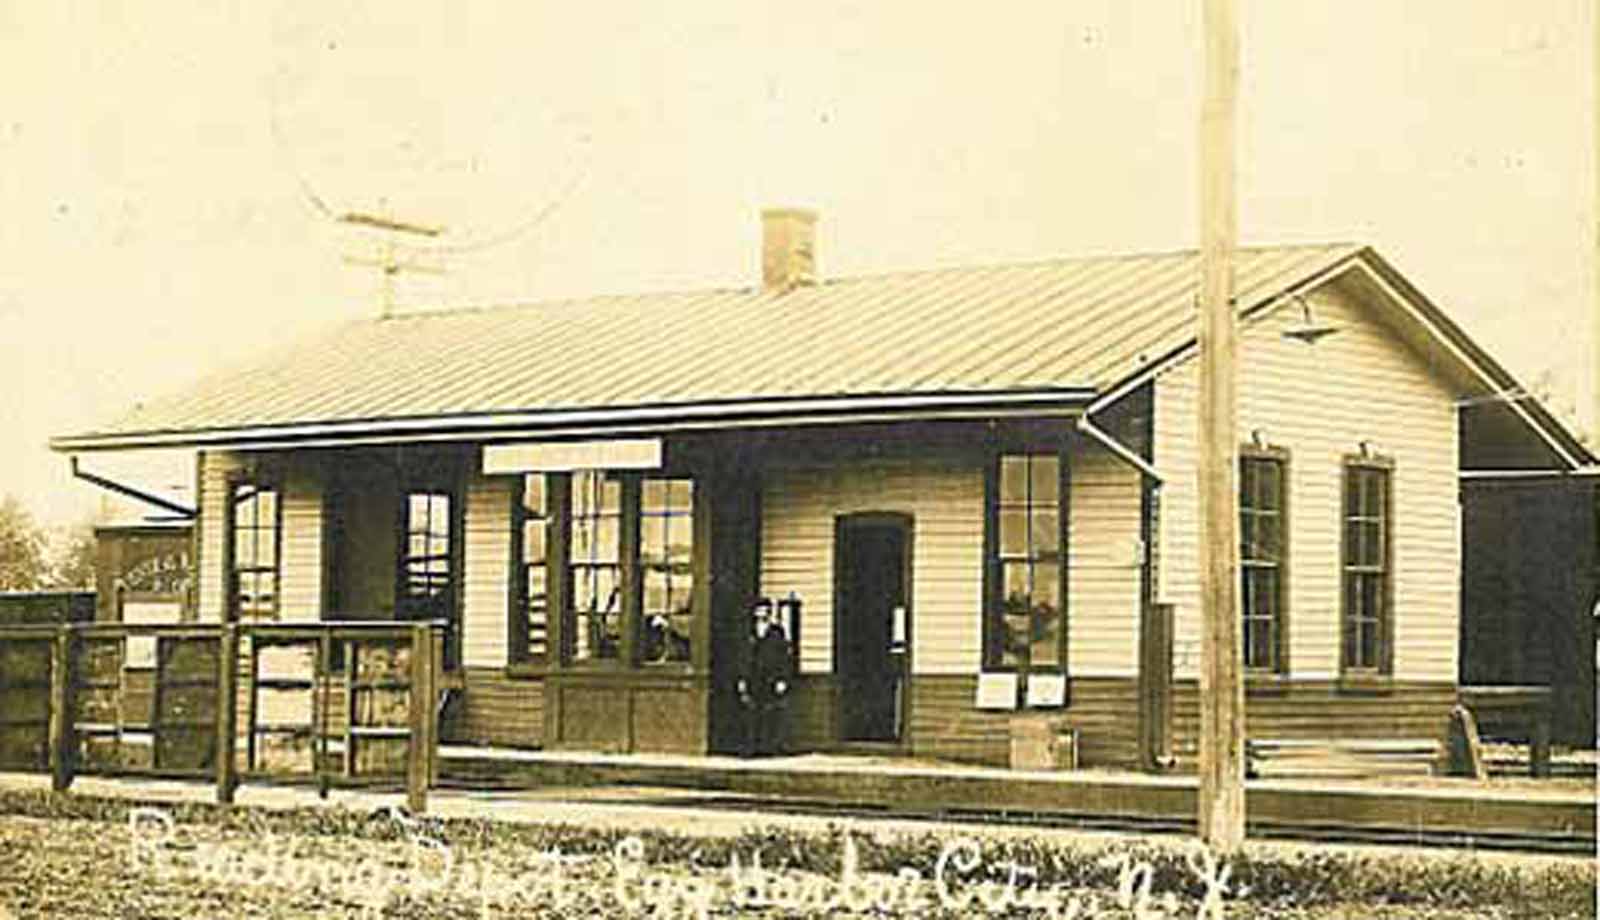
column 73, row 556
column 24, row 556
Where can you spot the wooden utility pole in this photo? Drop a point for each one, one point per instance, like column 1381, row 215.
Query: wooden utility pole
column 1221, row 689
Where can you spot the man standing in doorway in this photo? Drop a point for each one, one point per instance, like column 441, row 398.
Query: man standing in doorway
column 764, row 688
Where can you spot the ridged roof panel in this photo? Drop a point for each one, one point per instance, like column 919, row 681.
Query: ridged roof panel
column 1056, row 324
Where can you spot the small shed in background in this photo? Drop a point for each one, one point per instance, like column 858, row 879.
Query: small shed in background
column 1530, row 578
column 144, row 572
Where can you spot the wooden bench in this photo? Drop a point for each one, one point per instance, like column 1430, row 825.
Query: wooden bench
column 1520, row 713
column 1340, row 758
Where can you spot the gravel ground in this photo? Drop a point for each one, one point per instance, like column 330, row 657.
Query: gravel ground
column 104, row 868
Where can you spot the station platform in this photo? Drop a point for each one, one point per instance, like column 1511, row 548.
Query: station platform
column 1558, row 815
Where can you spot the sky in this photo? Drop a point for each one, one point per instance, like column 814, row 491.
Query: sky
column 172, row 171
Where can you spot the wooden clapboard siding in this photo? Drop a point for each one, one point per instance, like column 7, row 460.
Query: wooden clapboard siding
column 215, row 467
column 1311, row 710
column 944, row 724
column 945, row 501
column 486, row 581
column 813, row 708
column 1320, row 402
column 496, row 709
column 300, row 547
column 300, row 565
column 1103, row 567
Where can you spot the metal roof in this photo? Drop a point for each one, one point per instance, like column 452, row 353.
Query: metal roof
column 1074, row 327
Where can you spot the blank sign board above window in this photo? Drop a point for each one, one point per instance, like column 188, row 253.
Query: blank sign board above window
column 570, row 456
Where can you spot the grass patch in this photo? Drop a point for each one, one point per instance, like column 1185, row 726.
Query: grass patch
column 1275, row 879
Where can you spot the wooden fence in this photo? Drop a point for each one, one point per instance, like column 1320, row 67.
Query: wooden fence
column 40, row 608
column 349, row 704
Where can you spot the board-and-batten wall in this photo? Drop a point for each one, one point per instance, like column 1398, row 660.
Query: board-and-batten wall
column 945, row 500
column 1320, row 402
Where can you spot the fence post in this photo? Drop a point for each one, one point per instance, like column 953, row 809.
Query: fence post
column 417, row 755
column 436, row 642
column 227, row 712
column 60, row 716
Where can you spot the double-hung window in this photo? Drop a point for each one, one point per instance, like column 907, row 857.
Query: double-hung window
column 429, row 568
column 1367, row 580
column 256, row 523
column 1026, row 625
column 666, row 551
column 1263, row 554
column 595, row 560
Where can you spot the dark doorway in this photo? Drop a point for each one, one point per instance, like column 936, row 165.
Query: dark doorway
column 872, row 625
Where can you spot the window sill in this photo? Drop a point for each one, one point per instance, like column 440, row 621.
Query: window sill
column 1366, row 682
column 527, row 669
column 1267, row 683
column 666, row 667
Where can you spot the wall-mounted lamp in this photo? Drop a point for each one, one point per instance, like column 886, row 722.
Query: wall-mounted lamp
column 1366, row 450
column 1258, row 438
column 1308, row 330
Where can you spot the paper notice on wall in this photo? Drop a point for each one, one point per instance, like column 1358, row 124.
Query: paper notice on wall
column 997, row 691
column 286, row 662
column 1047, row 691
column 142, row 648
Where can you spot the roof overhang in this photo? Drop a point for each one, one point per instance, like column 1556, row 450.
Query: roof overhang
column 1490, row 423
column 1500, row 425
column 582, row 422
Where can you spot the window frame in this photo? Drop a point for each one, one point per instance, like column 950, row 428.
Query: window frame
column 563, row 615
column 261, row 481
column 1383, row 668
column 993, row 612
column 1280, row 456
column 448, row 484
column 625, row 585
column 669, row 515
column 519, row 627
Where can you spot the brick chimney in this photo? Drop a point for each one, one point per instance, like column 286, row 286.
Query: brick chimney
column 788, row 248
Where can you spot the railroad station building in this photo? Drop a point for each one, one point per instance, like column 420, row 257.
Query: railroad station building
column 970, row 491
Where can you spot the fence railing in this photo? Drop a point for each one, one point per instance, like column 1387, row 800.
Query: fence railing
column 335, row 704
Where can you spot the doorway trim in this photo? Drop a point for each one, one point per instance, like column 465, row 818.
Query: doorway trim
column 843, row 524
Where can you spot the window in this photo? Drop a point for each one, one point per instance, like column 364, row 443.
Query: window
column 666, row 548
column 532, row 575
column 1367, row 585
column 427, row 573
column 1026, row 626
column 255, row 524
column 1263, row 540
column 595, row 560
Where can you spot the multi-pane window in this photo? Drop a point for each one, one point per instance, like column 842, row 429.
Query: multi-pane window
column 666, row 546
column 426, row 570
column 1366, row 566
column 1262, row 542
column 1028, row 624
column 594, row 557
column 255, row 524
column 533, row 533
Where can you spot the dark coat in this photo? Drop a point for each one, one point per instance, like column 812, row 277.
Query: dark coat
column 771, row 662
